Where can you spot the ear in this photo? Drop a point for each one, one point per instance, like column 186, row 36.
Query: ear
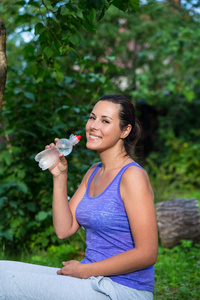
column 126, row 131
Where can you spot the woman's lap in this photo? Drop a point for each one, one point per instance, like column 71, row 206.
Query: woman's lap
column 22, row 281
column 26, row 281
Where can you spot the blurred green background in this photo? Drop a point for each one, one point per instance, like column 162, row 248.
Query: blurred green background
column 62, row 56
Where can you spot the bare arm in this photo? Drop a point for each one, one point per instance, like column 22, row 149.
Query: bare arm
column 64, row 219
column 138, row 199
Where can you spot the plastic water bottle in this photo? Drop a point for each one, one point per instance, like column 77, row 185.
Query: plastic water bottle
column 49, row 156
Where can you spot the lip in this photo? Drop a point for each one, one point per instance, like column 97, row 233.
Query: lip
column 94, row 137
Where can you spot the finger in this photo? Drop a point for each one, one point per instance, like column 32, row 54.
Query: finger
column 59, row 272
column 54, row 165
column 50, row 146
column 56, row 140
column 62, row 158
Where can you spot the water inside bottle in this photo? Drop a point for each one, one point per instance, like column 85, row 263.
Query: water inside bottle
column 66, row 150
column 64, row 146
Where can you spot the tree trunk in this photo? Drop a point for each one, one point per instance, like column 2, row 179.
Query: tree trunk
column 3, row 60
column 178, row 220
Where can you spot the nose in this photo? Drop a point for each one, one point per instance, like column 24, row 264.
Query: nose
column 95, row 125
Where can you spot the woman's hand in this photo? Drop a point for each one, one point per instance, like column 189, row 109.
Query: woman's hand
column 72, row 268
column 60, row 167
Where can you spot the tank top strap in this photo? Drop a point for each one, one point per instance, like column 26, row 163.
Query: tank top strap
column 121, row 172
column 92, row 175
column 116, row 179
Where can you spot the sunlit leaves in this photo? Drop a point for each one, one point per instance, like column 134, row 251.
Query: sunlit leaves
column 60, row 22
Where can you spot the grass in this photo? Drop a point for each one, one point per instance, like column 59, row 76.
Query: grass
column 166, row 192
column 177, row 271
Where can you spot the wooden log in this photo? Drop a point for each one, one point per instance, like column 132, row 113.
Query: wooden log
column 178, row 219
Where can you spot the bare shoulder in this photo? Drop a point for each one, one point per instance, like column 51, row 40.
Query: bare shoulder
column 135, row 181
column 135, row 174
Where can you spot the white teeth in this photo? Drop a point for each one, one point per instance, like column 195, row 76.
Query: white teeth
column 94, row 137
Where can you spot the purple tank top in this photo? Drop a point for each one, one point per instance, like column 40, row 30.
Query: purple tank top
column 108, row 232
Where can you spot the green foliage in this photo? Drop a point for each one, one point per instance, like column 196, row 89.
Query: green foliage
column 53, row 256
column 58, row 28
column 176, row 272
column 78, row 51
column 35, row 113
column 156, row 58
column 26, row 191
column 42, row 101
column 177, row 174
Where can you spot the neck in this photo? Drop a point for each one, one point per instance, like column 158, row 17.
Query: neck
column 111, row 160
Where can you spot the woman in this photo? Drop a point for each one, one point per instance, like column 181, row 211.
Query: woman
column 115, row 205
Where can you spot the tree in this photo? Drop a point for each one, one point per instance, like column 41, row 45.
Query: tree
column 57, row 26
column 157, row 54
column 45, row 93
column 3, row 60
column 151, row 57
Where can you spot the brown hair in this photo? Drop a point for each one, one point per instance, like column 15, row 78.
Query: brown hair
column 126, row 117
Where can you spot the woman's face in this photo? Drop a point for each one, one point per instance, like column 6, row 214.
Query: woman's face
column 102, row 128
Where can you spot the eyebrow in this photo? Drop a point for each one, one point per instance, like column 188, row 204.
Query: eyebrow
column 104, row 116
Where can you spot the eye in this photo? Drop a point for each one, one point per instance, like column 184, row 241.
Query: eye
column 105, row 121
column 91, row 118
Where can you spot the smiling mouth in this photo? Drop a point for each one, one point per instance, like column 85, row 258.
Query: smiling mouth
column 94, row 137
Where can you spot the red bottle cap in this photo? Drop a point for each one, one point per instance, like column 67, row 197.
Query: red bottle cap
column 78, row 137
